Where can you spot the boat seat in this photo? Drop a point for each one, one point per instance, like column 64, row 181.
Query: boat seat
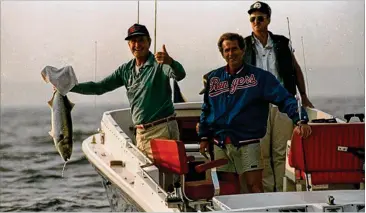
column 187, row 129
column 326, row 157
column 170, row 157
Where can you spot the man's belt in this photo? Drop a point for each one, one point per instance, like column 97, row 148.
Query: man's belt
column 157, row 122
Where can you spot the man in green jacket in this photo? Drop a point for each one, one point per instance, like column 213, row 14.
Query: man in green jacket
column 147, row 81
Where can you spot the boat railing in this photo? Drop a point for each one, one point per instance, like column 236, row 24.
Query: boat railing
column 113, row 126
column 145, row 165
column 317, row 114
column 145, row 174
column 110, row 117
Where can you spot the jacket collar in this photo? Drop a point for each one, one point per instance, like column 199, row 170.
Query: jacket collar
column 270, row 36
column 237, row 72
column 149, row 62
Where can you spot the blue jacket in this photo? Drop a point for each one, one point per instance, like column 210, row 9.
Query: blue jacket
column 236, row 106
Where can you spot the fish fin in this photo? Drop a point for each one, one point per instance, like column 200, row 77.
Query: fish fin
column 50, row 133
column 71, row 105
column 51, row 101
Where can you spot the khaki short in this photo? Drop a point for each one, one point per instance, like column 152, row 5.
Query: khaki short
column 246, row 158
column 166, row 130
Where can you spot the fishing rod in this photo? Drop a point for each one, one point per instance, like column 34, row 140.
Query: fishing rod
column 156, row 5
column 303, row 54
column 138, row 12
column 298, row 98
column 138, row 20
column 95, row 69
column 177, row 95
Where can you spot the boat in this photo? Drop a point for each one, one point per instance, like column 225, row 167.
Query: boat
column 132, row 181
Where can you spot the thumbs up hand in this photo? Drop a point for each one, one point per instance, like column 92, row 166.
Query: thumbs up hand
column 163, row 57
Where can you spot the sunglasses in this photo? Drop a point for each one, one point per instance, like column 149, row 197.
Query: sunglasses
column 259, row 18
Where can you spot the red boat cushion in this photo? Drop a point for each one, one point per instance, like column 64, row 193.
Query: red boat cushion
column 319, row 151
column 204, row 189
column 169, row 156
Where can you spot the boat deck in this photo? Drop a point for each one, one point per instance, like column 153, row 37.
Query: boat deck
column 315, row 201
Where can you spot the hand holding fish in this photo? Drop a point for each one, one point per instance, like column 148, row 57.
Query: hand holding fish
column 163, row 57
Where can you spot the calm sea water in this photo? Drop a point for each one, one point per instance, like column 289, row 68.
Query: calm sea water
column 30, row 166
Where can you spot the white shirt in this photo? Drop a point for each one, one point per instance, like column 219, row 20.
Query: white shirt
column 265, row 56
column 137, row 69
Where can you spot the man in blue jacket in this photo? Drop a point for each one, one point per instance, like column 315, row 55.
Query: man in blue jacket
column 235, row 113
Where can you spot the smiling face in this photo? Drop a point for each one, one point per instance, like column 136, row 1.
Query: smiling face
column 232, row 53
column 259, row 21
column 139, row 46
column 231, row 46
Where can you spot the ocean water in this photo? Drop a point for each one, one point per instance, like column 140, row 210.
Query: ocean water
column 30, row 166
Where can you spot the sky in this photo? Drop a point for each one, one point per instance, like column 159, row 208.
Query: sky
column 35, row 34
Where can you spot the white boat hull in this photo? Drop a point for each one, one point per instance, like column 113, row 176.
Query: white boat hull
column 131, row 180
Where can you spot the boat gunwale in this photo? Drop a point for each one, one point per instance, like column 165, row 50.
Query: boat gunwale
column 116, row 179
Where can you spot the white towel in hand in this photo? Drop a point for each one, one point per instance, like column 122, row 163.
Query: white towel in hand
column 63, row 79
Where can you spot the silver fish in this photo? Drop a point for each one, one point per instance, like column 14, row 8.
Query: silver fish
column 61, row 131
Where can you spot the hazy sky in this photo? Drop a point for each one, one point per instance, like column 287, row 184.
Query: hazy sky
column 59, row 33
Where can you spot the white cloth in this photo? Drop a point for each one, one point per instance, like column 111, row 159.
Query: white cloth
column 63, row 79
column 265, row 56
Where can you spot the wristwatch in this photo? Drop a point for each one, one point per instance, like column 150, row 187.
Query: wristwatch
column 301, row 122
column 203, row 139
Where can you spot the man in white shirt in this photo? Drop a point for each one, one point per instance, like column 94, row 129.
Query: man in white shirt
column 274, row 53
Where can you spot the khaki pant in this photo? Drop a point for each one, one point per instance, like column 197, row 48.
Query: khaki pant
column 166, row 130
column 279, row 131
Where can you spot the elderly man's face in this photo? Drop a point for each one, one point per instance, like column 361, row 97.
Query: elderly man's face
column 139, row 46
column 259, row 21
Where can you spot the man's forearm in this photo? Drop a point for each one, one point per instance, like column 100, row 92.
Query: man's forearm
column 89, row 88
column 109, row 83
column 178, row 71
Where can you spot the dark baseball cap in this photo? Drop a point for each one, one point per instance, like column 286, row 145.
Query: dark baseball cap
column 261, row 7
column 137, row 30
